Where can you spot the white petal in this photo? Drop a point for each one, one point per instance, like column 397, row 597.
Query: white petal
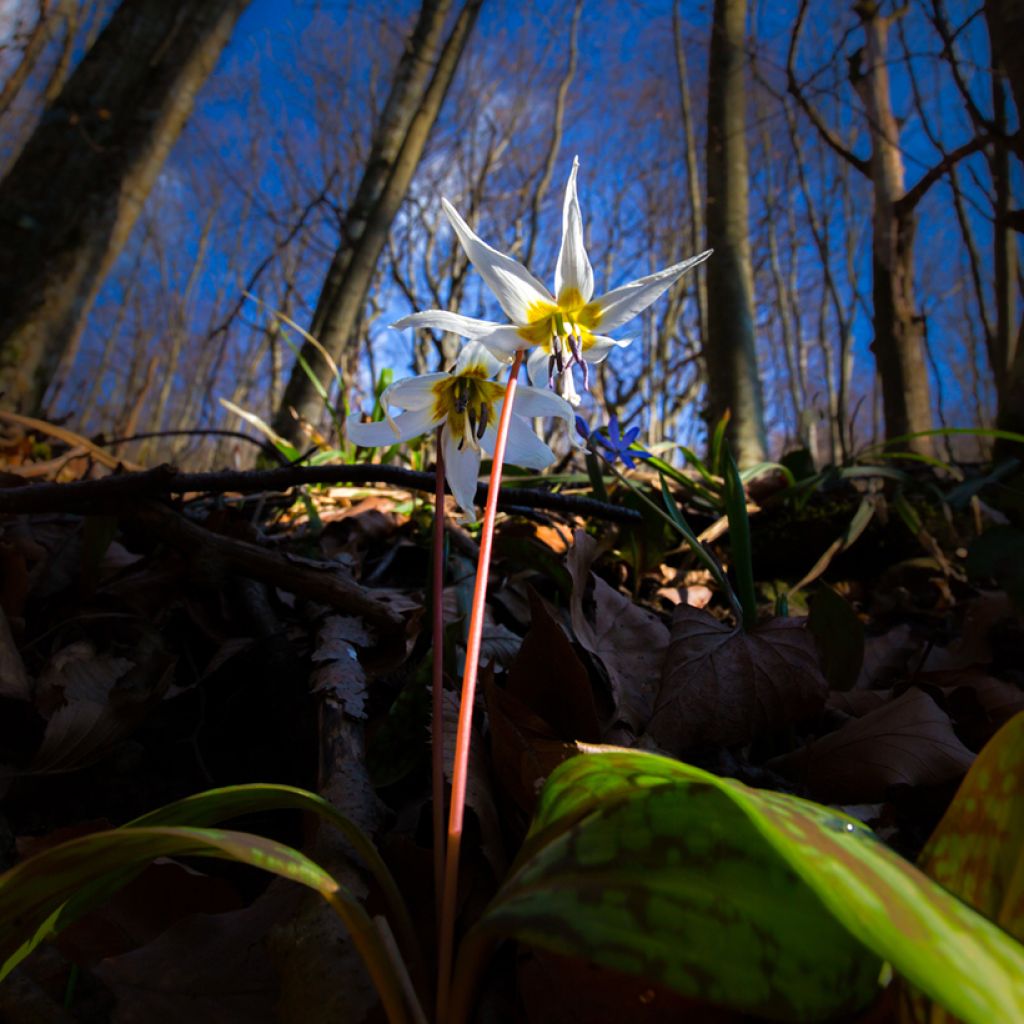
column 412, row 392
column 462, row 471
column 476, row 354
column 573, row 270
column 504, row 342
column 537, row 367
column 523, row 447
column 442, row 320
column 599, row 347
column 530, row 402
column 515, row 287
column 383, row 433
column 622, row 304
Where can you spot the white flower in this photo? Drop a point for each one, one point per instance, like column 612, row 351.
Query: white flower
column 469, row 405
column 562, row 328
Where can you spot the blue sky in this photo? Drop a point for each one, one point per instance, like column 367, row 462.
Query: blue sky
column 258, row 145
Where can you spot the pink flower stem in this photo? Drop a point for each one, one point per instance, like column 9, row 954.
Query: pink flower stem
column 460, row 769
column 437, row 688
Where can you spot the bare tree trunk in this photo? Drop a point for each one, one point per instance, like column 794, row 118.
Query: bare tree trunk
column 692, row 175
column 899, row 330
column 1006, row 30
column 417, row 92
column 733, row 383
column 1006, row 349
column 70, row 200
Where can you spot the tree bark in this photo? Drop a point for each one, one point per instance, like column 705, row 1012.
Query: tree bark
column 70, row 200
column 898, row 344
column 1006, row 30
column 417, row 92
column 733, row 382
column 1006, row 349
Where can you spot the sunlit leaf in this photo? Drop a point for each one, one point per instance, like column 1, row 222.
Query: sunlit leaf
column 977, row 850
column 757, row 900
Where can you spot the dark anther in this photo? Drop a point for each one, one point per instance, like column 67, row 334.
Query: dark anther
column 461, row 395
column 577, row 348
column 485, row 415
column 471, row 414
column 551, row 372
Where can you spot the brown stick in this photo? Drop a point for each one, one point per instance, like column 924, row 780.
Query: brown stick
column 245, row 559
column 110, row 492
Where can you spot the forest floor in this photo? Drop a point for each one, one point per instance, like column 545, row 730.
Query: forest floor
column 151, row 649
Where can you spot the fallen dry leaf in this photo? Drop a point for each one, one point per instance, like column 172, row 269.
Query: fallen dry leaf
column 629, row 641
column 91, row 700
column 206, row 969
column 887, row 658
column 909, row 741
column 14, row 680
column 550, row 679
column 525, row 750
column 722, row 686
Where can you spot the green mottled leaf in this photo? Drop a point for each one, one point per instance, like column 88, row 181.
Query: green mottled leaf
column 756, row 900
column 977, row 850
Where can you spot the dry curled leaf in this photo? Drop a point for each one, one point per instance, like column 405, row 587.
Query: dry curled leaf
column 908, row 741
column 629, row 641
column 722, row 686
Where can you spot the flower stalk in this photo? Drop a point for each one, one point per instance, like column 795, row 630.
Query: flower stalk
column 437, row 681
column 460, row 769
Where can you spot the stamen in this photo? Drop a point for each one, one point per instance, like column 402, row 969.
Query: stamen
column 461, row 394
column 472, row 419
column 485, row 415
column 551, row 372
column 576, row 347
column 582, row 361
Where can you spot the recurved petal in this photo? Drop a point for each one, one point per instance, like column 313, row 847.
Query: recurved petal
column 537, row 367
column 622, row 304
column 381, row 433
column 599, row 347
column 462, row 471
column 504, row 342
column 574, row 276
column 412, row 392
column 442, row 320
column 523, row 447
column 530, row 402
column 515, row 287
column 475, row 355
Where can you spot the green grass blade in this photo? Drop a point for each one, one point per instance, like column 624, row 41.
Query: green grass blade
column 232, row 801
column 32, row 892
column 739, row 538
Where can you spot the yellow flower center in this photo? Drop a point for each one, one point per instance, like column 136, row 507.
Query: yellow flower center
column 553, row 327
column 467, row 399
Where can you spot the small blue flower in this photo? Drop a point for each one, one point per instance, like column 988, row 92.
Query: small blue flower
column 617, row 446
